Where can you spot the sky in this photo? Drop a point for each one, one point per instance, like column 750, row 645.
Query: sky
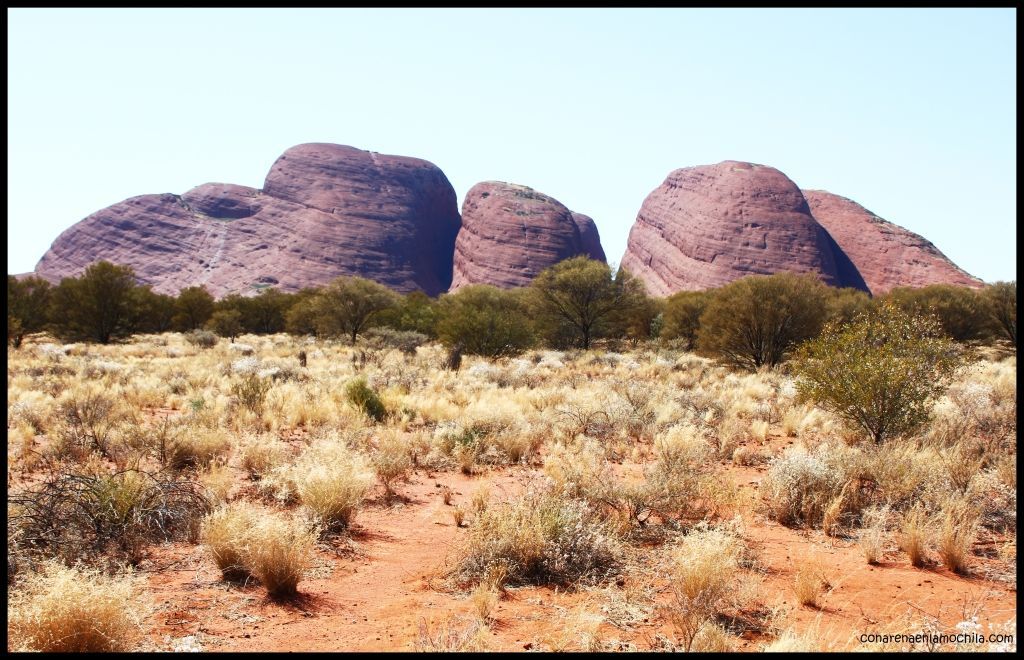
column 911, row 113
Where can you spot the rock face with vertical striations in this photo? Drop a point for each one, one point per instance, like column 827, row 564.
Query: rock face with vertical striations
column 325, row 210
column 510, row 233
column 709, row 225
column 885, row 255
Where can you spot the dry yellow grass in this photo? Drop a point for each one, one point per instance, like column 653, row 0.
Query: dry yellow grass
column 61, row 609
column 632, row 444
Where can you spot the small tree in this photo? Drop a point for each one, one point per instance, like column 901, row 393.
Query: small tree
column 484, row 320
column 194, row 306
column 226, row 323
column 348, row 305
column 28, row 303
column 682, row 316
column 1001, row 299
column 756, row 321
column 582, row 297
column 96, row 306
column 881, row 372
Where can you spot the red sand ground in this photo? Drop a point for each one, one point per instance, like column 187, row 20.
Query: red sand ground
column 374, row 592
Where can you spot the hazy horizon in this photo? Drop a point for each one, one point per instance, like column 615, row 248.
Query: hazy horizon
column 910, row 113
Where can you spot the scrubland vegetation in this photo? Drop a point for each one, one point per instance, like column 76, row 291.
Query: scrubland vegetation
column 679, row 474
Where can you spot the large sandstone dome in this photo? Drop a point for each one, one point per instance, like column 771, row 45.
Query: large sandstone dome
column 885, row 255
column 510, row 233
column 325, row 210
column 709, row 225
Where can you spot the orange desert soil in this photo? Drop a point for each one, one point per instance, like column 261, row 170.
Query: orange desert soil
column 373, row 591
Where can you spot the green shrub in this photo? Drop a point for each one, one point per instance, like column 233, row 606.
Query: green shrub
column 962, row 313
column 756, row 321
column 1001, row 299
column 226, row 323
column 484, row 320
column 251, row 391
column 880, row 373
column 682, row 316
column 363, row 397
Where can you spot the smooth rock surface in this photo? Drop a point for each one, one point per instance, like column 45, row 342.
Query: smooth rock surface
column 884, row 254
column 510, row 233
column 325, row 210
column 706, row 226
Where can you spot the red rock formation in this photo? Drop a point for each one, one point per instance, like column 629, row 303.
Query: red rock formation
column 709, row 225
column 510, row 233
column 589, row 236
column 885, row 255
column 326, row 210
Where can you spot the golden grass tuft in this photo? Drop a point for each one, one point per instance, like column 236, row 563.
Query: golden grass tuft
column 914, row 536
column 61, row 609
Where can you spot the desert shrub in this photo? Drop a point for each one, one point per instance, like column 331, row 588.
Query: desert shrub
column 962, row 312
column 913, row 535
column 1001, row 299
column 251, row 391
column 194, row 306
column 87, row 423
column 844, row 304
column 97, row 306
column 198, row 448
column 880, row 373
column 542, row 538
column 226, row 323
column 82, row 516
column 452, row 634
column 872, row 535
column 349, row 305
column 680, row 484
column 484, row 320
column 201, row 338
column 61, row 609
column 416, row 312
column 578, row 470
column 365, row 399
column 28, row 300
column 682, row 317
column 331, row 480
column 809, row 582
column 406, row 341
column 757, row 320
column 218, row 479
column 956, row 533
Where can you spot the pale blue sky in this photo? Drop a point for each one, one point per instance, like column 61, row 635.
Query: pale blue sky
column 911, row 113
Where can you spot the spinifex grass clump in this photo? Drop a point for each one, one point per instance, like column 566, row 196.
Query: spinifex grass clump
column 543, row 538
column 248, row 540
column 61, row 609
column 331, row 480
